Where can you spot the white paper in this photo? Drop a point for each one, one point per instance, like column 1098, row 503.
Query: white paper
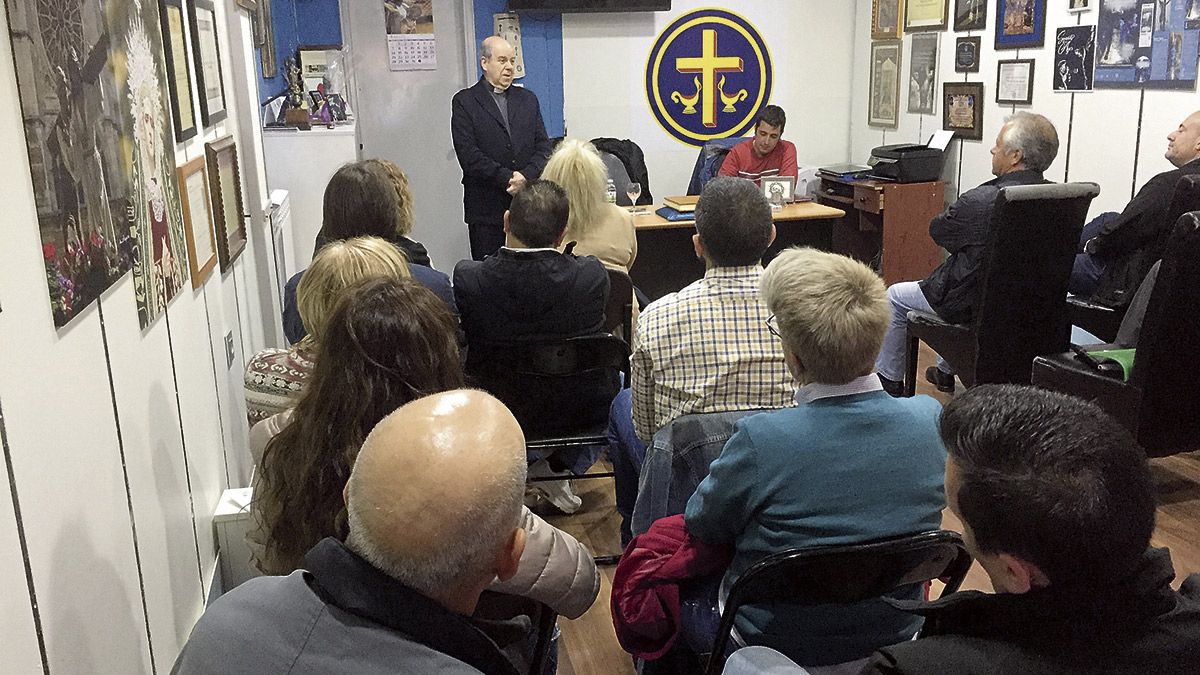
column 202, row 226
column 941, row 139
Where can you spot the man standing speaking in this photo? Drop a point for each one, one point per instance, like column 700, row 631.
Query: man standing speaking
column 500, row 141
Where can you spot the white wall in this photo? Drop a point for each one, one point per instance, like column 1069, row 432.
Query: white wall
column 1098, row 141
column 118, row 441
column 811, row 44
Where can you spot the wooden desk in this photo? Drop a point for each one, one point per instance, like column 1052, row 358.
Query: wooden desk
column 887, row 224
column 667, row 262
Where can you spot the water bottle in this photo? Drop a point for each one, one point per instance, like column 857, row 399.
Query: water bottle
column 611, row 193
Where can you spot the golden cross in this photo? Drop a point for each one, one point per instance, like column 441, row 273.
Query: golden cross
column 708, row 64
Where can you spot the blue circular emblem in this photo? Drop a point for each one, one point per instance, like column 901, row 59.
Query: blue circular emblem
column 707, row 76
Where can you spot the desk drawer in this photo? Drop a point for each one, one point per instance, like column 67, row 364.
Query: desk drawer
column 868, row 199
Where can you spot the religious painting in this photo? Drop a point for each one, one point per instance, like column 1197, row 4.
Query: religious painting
column 92, row 83
column 1151, row 44
column 225, row 190
column 962, row 109
column 922, row 15
column 884, row 99
column 1020, row 23
column 970, row 15
column 1014, row 82
column 922, row 74
column 1074, row 58
column 183, row 114
column 197, row 220
column 966, row 54
column 885, row 19
column 208, row 61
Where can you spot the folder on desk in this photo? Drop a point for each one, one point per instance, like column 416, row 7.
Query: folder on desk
column 672, row 215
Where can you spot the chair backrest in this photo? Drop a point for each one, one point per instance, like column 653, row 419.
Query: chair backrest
column 618, row 313
column 553, row 386
column 712, row 155
column 1026, row 262
column 1164, row 368
column 845, row 574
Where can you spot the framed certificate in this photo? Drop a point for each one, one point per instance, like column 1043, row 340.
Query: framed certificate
column 1014, row 81
column 922, row 15
column 197, row 220
column 962, row 109
column 966, row 54
column 225, row 189
column 208, row 62
column 179, row 85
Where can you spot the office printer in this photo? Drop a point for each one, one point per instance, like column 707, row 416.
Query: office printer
column 906, row 163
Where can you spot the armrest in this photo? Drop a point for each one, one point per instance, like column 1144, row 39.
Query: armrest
column 1065, row 373
column 1101, row 321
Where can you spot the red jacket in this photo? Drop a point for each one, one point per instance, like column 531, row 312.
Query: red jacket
column 645, row 594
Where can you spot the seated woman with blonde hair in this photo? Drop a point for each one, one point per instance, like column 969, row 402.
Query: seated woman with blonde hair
column 275, row 377
column 597, row 227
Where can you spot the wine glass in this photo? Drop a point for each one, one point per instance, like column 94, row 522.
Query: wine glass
column 633, row 191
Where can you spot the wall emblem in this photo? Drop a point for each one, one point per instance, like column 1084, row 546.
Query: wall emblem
column 707, row 76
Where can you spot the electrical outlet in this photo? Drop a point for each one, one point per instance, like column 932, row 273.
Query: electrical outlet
column 229, row 350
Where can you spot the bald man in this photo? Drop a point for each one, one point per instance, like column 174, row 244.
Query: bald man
column 435, row 505
column 500, row 141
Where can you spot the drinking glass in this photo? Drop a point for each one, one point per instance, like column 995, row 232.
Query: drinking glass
column 633, row 192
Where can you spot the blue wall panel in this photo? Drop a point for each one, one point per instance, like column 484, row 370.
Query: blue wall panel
column 541, row 44
column 298, row 23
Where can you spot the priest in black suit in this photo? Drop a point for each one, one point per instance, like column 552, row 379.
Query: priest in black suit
column 500, row 141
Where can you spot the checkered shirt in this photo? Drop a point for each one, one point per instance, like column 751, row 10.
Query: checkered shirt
column 707, row 349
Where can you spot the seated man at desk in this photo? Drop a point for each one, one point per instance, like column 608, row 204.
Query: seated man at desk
column 1025, row 147
column 766, row 154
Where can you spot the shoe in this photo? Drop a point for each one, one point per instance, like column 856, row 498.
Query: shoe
column 942, row 380
column 557, row 492
column 893, row 387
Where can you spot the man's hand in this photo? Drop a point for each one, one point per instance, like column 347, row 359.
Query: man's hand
column 516, row 183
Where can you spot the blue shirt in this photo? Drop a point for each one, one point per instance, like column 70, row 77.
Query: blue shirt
column 849, row 465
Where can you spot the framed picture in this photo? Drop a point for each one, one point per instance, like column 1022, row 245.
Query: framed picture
column 962, row 109
column 884, row 100
column 266, row 35
column 1020, row 23
column 225, row 188
column 885, row 19
column 922, row 15
column 179, row 85
column 1079, row 5
column 208, row 62
column 922, row 74
column 1150, row 44
column 1014, row 81
column 966, row 54
column 197, row 220
column 778, row 189
column 1074, row 58
column 970, row 15
column 250, row 5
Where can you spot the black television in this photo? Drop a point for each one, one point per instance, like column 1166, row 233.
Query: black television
column 590, row 5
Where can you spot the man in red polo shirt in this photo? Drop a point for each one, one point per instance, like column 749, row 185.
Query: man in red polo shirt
column 766, row 154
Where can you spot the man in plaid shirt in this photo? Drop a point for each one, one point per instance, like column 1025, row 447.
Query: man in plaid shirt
column 706, row 348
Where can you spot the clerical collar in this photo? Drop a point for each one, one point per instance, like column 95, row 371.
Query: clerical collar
column 497, row 90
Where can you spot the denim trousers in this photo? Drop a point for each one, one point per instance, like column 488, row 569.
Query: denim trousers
column 902, row 297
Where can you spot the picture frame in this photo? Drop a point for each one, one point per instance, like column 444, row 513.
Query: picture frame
column 784, row 185
column 1014, row 81
column 922, row 73
column 266, row 52
column 883, row 100
column 209, row 78
column 1076, row 6
column 248, row 5
column 962, row 109
column 197, row 219
column 926, row 15
column 1020, row 24
column 886, row 19
column 966, row 54
column 970, row 15
column 179, row 84
column 225, row 189
column 1075, row 58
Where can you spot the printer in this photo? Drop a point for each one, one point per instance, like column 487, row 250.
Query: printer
column 906, row 163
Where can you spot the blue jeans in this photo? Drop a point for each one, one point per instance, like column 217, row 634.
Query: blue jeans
column 627, row 453
column 903, row 297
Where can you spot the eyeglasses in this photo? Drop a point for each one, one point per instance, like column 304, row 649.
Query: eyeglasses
column 773, row 326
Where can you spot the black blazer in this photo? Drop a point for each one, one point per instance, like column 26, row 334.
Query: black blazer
column 489, row 153
column 540, row 295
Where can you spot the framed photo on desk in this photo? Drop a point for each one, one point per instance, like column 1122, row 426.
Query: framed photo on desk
column 778, row 189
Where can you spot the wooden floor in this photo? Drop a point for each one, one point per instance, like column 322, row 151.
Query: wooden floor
column 589, row 646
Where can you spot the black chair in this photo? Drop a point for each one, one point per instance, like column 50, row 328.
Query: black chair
column 618, row 313
column 820, row 575
column 1160, row 403
column 559, row 390
column 1104, row 319
column 512, row 610
column 1022, row 310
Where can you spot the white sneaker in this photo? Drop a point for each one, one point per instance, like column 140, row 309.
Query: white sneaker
column 557, row 492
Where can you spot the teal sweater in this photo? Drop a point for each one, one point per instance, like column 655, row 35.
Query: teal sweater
column 838, row 470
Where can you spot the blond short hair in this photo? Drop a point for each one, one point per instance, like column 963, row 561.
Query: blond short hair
column 832, row 312
column 577, row 168
column 404, row 222
column 338, row 266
